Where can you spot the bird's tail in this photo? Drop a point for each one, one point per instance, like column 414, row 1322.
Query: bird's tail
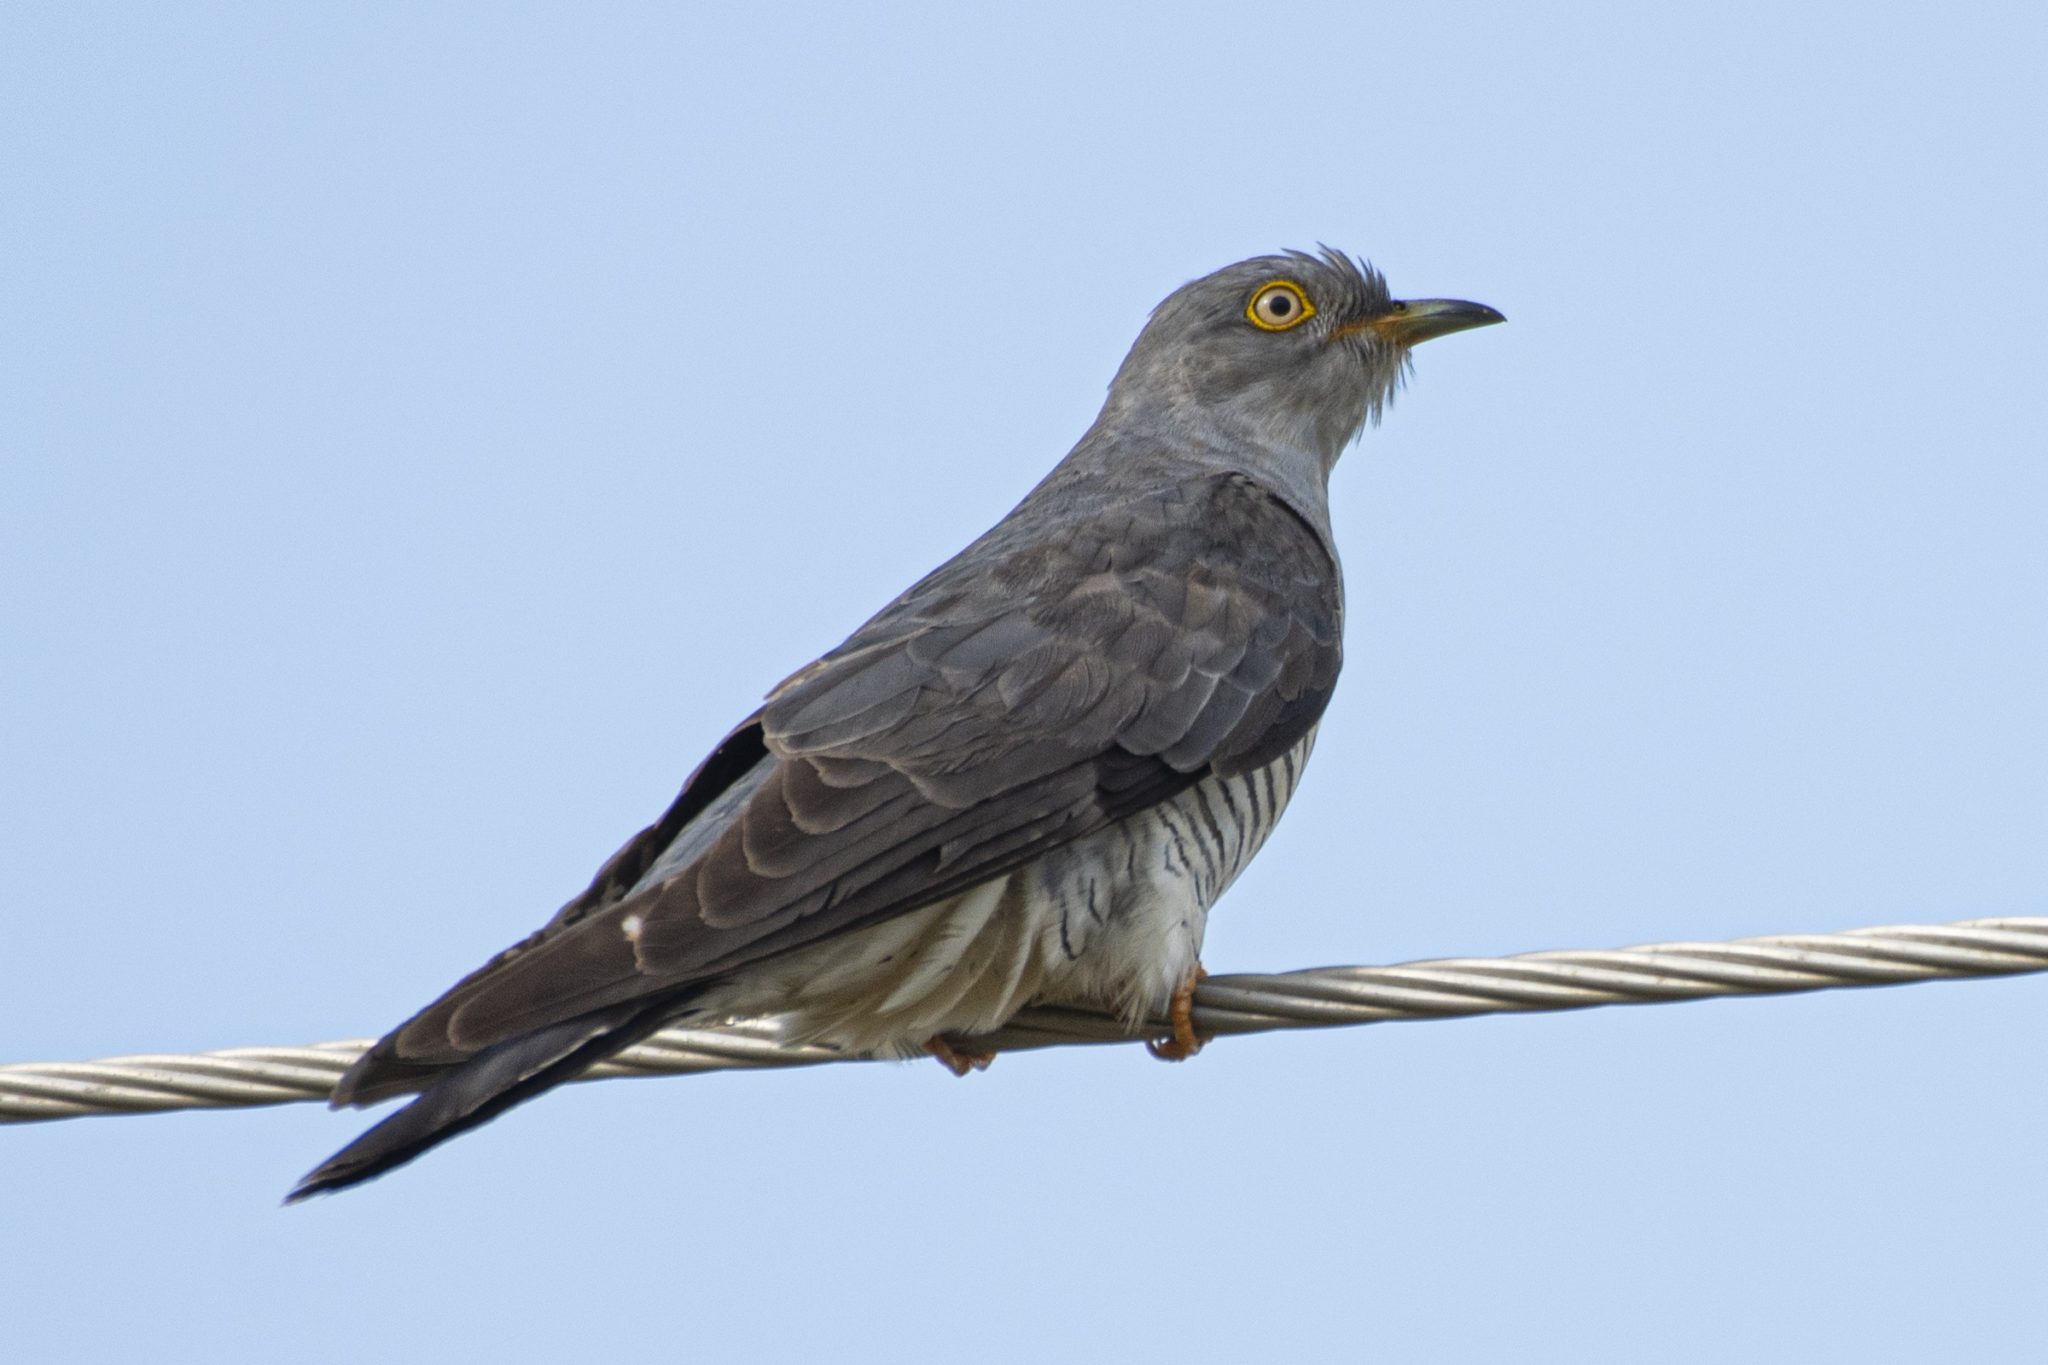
column 479, row 1090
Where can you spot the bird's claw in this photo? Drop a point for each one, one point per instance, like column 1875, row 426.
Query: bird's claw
column 1184, row 1042
column 955, row 1058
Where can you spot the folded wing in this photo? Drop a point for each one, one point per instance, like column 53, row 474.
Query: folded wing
column 1063, row 673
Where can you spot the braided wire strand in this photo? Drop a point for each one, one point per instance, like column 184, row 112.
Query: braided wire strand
column 1324, row 997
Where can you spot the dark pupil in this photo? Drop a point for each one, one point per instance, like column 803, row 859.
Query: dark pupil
column 1280, row 305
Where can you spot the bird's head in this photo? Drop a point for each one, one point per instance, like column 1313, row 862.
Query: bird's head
column 1294, row 350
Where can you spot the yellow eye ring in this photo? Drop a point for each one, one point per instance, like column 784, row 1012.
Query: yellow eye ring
column 1278, row 306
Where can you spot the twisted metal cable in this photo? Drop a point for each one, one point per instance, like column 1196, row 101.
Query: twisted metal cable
column 1318, row 998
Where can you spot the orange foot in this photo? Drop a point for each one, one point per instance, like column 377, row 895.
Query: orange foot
column 1185, row 1042
column 957, row 1059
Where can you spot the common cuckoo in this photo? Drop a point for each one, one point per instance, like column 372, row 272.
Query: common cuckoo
column 1024, row 780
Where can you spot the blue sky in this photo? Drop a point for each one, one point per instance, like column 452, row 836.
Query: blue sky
column 428, row 429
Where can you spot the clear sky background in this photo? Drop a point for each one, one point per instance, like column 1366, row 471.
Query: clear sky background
column 427, row 429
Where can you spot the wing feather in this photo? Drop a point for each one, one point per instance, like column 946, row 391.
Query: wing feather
column 1091, row 656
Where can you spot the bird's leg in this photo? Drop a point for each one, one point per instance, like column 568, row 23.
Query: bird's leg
column 955, row 1058
column 1185, row 1042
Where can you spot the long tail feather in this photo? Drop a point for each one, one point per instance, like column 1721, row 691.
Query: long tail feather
column 479, row 1090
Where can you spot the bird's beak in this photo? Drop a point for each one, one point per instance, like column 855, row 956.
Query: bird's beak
column 1406, row 323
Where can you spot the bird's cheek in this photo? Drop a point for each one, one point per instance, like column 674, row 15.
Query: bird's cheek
column 1215, row 380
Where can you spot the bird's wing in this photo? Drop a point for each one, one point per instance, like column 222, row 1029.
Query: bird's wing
column 1047, row 682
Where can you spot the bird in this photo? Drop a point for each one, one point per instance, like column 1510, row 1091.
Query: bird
column 1025, row 780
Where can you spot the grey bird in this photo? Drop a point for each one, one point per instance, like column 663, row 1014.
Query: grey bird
column 1024, row 780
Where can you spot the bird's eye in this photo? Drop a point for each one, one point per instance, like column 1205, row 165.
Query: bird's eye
column 1279, row 306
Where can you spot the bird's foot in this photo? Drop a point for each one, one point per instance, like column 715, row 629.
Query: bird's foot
column 955, row 1058
column 1184, row 1041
